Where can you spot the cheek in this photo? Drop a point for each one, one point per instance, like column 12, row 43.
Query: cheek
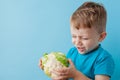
column 91, row 44
column 88, row 43
column 73, row 40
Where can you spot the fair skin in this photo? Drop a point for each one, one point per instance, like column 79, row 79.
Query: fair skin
column 85, row 40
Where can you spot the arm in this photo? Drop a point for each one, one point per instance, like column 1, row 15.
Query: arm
column 102, row 77
column 97, row 77
column 80, row 76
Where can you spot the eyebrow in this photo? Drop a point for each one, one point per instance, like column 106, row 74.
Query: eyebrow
column 80, row 36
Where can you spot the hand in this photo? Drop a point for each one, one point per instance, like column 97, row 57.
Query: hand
column 40, row 64
column 65, row 73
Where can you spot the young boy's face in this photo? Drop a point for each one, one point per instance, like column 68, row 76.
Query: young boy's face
column 85, row 39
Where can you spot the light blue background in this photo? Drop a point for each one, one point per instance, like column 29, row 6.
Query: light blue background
column 28, row 28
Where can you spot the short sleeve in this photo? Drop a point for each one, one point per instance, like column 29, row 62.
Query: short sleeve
column 104, row 66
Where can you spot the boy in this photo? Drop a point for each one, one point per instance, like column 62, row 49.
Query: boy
column 88, row 60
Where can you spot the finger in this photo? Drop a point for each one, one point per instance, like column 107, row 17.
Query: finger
column 70, row 61
column 60, row 78
column 55, row 72
column 62, row 70
column 40, row 64
column 61, row 74
column 40, row 61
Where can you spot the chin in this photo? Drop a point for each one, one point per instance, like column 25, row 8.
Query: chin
column 82, row 52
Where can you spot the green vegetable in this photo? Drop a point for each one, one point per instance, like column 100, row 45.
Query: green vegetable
column 53, row 60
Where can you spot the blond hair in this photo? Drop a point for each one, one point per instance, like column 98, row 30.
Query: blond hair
column 90, row 14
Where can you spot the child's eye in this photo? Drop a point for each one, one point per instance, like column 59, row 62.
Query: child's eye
column 73, row 36
column 85, row 38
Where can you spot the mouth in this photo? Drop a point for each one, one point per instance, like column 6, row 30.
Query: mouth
column 81, row 49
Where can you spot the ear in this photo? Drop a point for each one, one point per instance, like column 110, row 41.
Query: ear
column 102, row 36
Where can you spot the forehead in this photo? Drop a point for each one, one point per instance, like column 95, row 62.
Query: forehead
column 83, row 31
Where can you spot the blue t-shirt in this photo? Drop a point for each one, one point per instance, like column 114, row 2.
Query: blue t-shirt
column 96, row 62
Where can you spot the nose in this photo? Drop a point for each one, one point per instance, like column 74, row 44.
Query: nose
column 78, row 41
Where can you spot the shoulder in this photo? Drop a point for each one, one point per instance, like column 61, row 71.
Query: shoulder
column 104, row 57
column 103, row 54
column 104, row 63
